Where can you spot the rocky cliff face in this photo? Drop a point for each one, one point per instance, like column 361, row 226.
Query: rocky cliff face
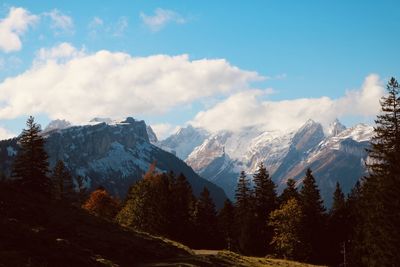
column 112, row 155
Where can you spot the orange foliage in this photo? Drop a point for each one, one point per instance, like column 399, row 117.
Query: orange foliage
column 101, row 204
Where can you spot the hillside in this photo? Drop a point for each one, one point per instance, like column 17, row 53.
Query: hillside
column 39, row 232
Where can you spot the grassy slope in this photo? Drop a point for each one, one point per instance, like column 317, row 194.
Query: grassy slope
column 38, row 232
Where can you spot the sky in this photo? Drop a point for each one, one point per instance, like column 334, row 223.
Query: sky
column 220, row 65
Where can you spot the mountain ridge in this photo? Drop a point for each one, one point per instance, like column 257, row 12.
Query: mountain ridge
column 111, row 155
column 334, row 154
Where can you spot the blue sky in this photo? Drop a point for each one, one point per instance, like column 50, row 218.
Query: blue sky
column 302, row 49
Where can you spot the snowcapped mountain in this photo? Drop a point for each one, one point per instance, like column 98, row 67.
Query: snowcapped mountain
column 184, row 141
column 112, row 155
column 338, row 154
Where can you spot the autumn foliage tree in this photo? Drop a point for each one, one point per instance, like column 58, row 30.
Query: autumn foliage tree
column 146, row 207
column 286, row 223
column 101, row 204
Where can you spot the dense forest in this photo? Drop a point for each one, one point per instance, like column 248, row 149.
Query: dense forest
column 360, row 229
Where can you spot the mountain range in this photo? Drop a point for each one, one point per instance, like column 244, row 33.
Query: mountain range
column 114, row 154
column 109, row 153
column 334, row 154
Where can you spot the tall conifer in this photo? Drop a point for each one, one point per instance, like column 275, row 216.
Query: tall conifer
column 313, row 224
column 379, row 236
column 265, row 201
column 338, row 226
column 31, row 165
column 205, row 219
column 245, row 216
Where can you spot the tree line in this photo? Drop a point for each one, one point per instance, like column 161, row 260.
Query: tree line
column 360, row 229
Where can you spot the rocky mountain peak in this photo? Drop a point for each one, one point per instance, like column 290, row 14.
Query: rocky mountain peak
column 309, row 135
column 57, row 125
column 183, row 142
column 152, row 135
column 335, row 128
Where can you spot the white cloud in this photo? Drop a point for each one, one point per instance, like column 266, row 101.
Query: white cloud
column 61, row 23
column 106, row 84
column 5, row 134
column 160, row 18
column 246, row 109
column 163, row 130
column 61, row 53
column 13, row 27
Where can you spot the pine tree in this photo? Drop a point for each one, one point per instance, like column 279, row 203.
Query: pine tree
column 101, row 204
column 265, row 201
column 182, row 202
column 206, row 226
column 286, row 222
column 289, row 192
column 313, row 224
column 338, row 226
column 31, row 165
column 226, row 221
column 354, row 249
column 62, row 182
column 379, row 236
column 245, row 216
column 243, row 193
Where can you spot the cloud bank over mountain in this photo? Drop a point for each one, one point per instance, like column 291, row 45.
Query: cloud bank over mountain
column 76, row 85
column 65, row 82
column 245, row 108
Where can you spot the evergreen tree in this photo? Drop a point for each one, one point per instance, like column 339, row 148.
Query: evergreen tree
column 226, row 221
column 63, row 187
column 313, row 223
column 289, row 192
column 354, row 222
column 338, row 226
column 243, row 193
column 379, row 237
column 182, row 202
column 286, row 223
column 206, row 226
column 101, row 204
column 265, row 201
column 245, row 216
column 31, row 166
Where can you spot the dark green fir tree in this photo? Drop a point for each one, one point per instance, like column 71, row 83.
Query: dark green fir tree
column 314, row 220
column 265, row 201
column 379, row 237
column 63, row 186
column 226, row 221
column 31, row 164
column 205, row 221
